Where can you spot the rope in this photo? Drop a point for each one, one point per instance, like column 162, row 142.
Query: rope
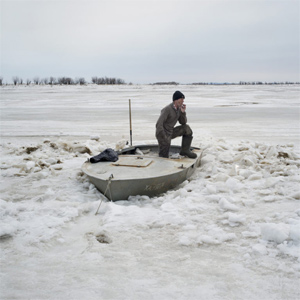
column 107, row 187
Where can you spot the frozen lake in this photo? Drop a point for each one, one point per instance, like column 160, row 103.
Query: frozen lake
column 261, row 113
column 231, row 232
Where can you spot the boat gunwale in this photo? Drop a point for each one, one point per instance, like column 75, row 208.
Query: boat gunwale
column 152, row 177
column 152, row 182
column 190, row 163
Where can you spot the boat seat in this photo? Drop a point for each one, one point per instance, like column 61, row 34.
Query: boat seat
column 129, row 161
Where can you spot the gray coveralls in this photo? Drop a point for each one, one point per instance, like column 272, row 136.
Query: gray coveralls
column 165, row 130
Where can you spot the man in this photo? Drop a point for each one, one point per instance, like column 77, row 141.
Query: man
column 165, row 130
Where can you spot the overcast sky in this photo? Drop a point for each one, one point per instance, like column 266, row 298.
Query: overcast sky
column 149, row 41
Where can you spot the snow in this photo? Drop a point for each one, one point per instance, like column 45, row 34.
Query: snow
column 231, row 232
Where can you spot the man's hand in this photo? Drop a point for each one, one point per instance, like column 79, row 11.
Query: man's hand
column 183, row 108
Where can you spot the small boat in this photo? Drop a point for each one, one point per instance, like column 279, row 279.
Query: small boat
column 140, row 171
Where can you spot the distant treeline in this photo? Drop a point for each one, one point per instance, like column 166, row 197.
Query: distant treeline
column 107, row 80
column 64, row 81
column 166, row 83
column 227, row 83
column 112, row 80
column 245, row 83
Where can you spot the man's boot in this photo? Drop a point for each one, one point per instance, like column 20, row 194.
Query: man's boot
column 185, row 147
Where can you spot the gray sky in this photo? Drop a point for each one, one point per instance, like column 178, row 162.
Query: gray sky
column 149, row 41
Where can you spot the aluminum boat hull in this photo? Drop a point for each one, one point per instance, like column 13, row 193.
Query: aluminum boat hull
column 135, row 174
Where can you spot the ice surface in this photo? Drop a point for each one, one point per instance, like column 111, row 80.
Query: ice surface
column 231, row 232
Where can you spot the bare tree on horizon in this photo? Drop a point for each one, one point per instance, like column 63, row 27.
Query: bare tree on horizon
column 15, row 80
column 36, row 80
column 52, row 80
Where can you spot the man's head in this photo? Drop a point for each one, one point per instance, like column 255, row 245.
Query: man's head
column 178, row 99
column 178, row 95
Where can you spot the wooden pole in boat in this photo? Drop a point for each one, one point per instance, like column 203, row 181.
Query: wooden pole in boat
column 130, row 122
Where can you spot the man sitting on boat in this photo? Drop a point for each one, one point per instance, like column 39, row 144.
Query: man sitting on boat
column 165, row 130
